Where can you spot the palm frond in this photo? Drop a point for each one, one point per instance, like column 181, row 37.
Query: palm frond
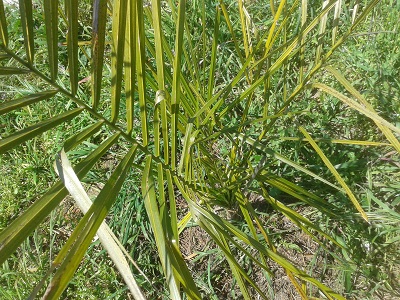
column 190, row 97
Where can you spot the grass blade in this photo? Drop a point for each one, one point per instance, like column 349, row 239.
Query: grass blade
column 338, row 141
column 335, row 173
column 172, row 206
column 321, row 33
column 211, row 76
column 360, row 108
column 304, row 4
column 300, row 221
column 389, row 135
column 161, row 107
column 130, row 65
column 237, row 271
column 265, row 150
column 299, row 193
column 336, row 19
column 231, row 231
column 158, row 42
column 78, row 138
column 245, row 29
column 141, row 70
column 231, row 30
column 149, row 195
column 176, row 87
column 268, row 43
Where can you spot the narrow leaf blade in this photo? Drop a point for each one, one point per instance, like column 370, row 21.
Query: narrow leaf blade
column 71, row 9
column 25, row 7
column 32, row 131
column 51, row 23
column 14, row 234
column 98, row 42
column 26, row 100
column 335, row 173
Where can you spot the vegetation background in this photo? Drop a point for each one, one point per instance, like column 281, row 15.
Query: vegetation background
column 236, row 149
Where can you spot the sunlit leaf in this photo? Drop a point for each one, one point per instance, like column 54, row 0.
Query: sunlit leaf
column 335, row 173
column 13, row 235
column 70, row 256
column 106, row 236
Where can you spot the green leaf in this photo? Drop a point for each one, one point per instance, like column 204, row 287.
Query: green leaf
column 32, row 131
column 119, row 21
column 3, row 26
column 106, row 236
column 130, row 65
column 25, row 7
column 26, row 100
column 211, row 76
column 176, row 88
column 385, row 130
column 98, row 42
column 12, row 71
column 208, row 218
column 299, row 193
column 149, row 196
column 231, row 30
column 265, row 150
column 14, row 234
column 353, row 104
column 160, row 103
column 51, row 22
column 140, row 69
column 70, row 256
column 335, row 173
column 78, row 138
column 71, row 10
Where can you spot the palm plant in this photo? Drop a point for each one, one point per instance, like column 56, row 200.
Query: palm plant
column 197, row 112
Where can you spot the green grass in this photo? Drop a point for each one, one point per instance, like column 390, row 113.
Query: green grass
column 369, row 270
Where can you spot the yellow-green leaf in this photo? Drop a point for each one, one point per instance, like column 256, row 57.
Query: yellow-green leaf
column 335, row 173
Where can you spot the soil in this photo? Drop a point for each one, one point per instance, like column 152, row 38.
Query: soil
column 291, row 243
